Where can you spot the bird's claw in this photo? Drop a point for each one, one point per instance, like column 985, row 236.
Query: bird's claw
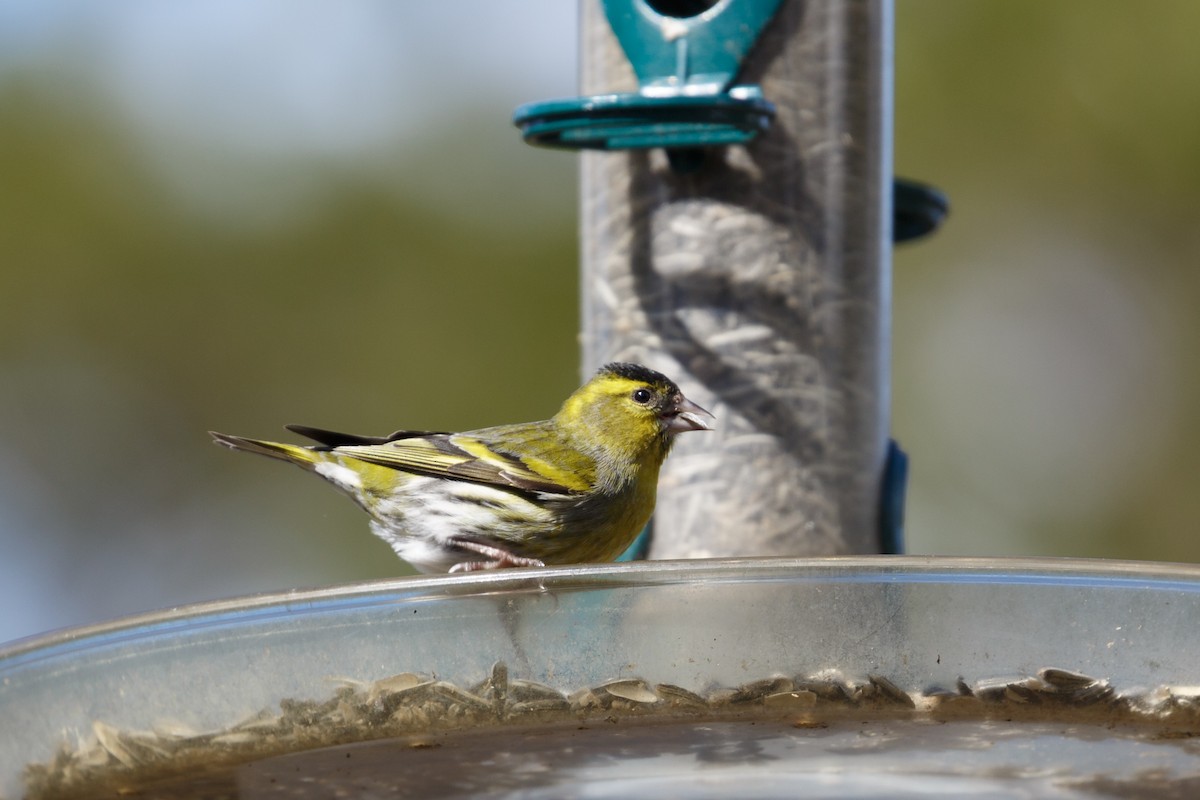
column 497, row 558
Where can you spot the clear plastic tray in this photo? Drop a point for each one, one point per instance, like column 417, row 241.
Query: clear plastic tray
column 931, row 628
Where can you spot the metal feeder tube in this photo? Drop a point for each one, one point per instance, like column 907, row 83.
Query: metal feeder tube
column 760, row 281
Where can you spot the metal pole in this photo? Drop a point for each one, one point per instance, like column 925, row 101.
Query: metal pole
column 761, row 284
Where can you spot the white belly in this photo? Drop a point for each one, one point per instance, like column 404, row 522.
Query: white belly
column 422, row 521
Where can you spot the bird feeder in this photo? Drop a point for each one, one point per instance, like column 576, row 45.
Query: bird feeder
column 867, row 677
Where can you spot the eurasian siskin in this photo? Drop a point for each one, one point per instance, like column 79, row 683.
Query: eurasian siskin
column 575, row 488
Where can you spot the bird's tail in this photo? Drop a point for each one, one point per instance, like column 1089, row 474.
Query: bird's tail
column 293, row 453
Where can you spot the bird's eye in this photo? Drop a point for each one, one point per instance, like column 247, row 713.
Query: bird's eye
column 642, row 396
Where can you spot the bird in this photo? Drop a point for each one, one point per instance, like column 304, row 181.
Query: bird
column 575, row 488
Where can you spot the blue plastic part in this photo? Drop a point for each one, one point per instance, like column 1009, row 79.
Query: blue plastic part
column 918, row 210
column 629, row 121
column 641, row 545
column 698, row 54
column 685, row 65
column 891, row 506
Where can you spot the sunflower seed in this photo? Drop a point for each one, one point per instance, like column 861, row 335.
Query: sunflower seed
column 891, row 691
column 757, row 690
column 788, row 701
column 523, row 691
column 634, row 690
column 1065, row 679
column 680, row 698
column 539, row 706
column 393, row 684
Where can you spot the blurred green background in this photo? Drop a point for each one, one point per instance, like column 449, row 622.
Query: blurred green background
column 236, row 214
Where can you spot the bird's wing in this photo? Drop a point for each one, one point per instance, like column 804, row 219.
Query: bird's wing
column 333, row 439
column 465, row 457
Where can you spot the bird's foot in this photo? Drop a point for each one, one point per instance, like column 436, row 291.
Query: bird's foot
column 497, row 558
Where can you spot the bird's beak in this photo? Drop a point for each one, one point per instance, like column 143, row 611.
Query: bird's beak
column 684, row 415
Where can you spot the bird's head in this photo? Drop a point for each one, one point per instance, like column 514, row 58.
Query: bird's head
column 630, row 411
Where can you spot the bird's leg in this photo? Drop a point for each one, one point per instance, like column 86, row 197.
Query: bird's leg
column 499, row 558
